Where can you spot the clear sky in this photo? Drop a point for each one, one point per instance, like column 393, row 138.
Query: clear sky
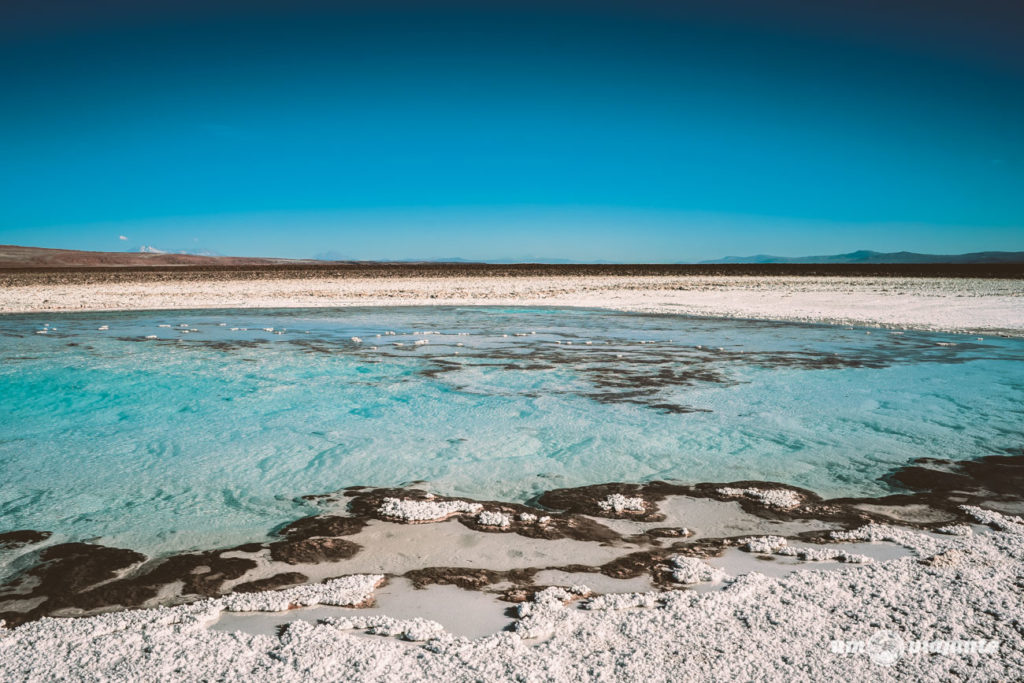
column 619, row 131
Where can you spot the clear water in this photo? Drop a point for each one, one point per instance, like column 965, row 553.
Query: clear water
column 207, row 438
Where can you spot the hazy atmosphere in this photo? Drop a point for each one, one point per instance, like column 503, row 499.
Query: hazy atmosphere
column 595, row 131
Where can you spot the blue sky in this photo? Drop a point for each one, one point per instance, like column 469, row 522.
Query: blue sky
column 636, row 131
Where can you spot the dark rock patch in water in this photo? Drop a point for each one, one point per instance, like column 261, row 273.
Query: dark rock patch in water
column 83, row 577
column 322, row 525
column 586, row 500
column 11, row 540
column 994, row 475
column 313, row 550
column 467, row 578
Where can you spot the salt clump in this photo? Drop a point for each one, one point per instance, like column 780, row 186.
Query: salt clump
column 492, row 518
column 776, row 498
column 411, row 510
column 995, row 519
column 692, row 570
column 617, row 502
column 776, row 545
column 764, row 545
column 342, row 592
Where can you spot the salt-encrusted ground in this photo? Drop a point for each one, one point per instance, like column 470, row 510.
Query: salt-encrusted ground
column 951, row 610
column 948, row 304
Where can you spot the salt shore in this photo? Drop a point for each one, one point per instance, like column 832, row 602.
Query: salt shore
column 950, row 609
column 944, row 304
column 764, row 581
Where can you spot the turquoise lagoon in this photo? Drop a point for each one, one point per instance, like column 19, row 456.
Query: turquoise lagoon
column 207, row 437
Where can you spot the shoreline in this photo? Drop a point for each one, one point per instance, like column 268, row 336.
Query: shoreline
column 922, row 564
column 619, row 530
column 954, row 305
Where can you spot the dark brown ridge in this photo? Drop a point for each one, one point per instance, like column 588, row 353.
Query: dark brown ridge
column 15, row 273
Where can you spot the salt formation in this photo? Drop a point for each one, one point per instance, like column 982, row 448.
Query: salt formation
column 618, row 503
column 527, row 517
column 776, row 498
column 546, row 613
column 412, row 510
column 346, row 591
column 995, row 519
column 776, row 545
column 491, row 518
column 692, row 570
column 764, row 545
column 414, row 630
column 624, row 601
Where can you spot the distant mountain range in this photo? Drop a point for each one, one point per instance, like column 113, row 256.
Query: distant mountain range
column 336, row 256
column 34, row 257
column 12, row 256
column 870, row 257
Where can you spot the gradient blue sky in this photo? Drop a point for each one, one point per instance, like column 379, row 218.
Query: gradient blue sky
column 631, row 131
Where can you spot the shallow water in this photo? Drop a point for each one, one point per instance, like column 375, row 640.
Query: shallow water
column 206, row 438
column 467, row 613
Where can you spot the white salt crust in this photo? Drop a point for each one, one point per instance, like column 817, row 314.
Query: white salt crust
column 617, row 502
column 690, row 570
column 944, row 304
column 411, row 510
column 346, row 591
column 492, row 518
column 995, row 519
column 776, row 545
column 755, row 628
column 776, row 498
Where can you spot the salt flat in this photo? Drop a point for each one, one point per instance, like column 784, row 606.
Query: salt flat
column 940, row 613
column 974, row 305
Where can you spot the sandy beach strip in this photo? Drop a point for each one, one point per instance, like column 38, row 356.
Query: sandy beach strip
column 964, row 305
